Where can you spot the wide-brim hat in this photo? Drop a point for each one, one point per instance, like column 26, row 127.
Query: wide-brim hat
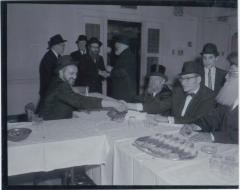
column 65, row 61
column 123, row 39
column 81, row 38
column 94, row 40
column 56, row 39
column 210, row 48
column 157, row 70
column 159, row 74
column 190, row 67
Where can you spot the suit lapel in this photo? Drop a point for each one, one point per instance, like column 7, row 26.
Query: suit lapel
column 194, row 102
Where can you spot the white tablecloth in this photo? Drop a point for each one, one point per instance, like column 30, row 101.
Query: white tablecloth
column 57, row 144
column 93, row 139
column 133, row 167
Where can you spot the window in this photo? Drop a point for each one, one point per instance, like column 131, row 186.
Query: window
column 153, row 40
column 92, row 30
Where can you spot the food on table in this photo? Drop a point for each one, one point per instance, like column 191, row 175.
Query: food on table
column 167, row 146
column 115, row 115
column 18, row 134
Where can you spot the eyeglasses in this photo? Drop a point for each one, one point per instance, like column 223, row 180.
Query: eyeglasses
column 186, row 78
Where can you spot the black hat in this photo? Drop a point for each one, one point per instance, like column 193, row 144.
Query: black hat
column 65, row 61
column 57, row 39
column 210, row 48
column 158, row 70
column 81, row 38
column 231, row 57
column 122, row 39
column 94, row 40
column 190, row 67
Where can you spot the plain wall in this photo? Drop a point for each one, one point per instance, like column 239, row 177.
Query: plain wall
column 29, row 27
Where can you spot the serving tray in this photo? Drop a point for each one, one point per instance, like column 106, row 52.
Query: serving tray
column 167, row 146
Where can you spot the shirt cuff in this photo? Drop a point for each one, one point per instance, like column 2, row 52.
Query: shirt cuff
column 196, row 127
column 137, row 106
column 171, row 120
column 212, row 137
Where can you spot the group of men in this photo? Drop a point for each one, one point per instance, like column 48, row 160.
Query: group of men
column 206, row 98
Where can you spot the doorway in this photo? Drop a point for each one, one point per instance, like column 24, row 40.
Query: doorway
column 133, row 31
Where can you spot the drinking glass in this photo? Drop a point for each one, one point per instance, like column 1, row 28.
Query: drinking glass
column 229, row 166
column 37, row 120
column 215, row 162
column 132, row 122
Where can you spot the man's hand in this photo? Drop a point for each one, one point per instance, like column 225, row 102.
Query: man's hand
column 186, row 130
column 161, row 119
column 104, row 74
column 119, row 106
column 109, row 68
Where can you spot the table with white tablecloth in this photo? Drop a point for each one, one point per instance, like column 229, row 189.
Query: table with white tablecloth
column 134, row 167
column 92, row 139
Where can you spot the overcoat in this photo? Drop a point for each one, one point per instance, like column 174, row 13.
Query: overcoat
column 124, row 76
column 47, row 72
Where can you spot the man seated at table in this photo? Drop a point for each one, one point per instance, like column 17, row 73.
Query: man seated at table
column 188, row 102
column 61, row 101
column 156, row 90
column 221, row 124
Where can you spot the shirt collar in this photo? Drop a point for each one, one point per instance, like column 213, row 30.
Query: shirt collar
column 235, row 104
column 55, row 53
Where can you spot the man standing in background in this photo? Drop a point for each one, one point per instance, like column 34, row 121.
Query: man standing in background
column 79, row 54
column 92, row 70
column 212, row 76
column 124, row 73
column 49, row 62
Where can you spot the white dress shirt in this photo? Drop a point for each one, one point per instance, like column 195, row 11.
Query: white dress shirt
column 213, row 74
column 55, row 53
column 186, row 104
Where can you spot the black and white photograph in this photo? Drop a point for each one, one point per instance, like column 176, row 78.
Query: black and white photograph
column 128, row 94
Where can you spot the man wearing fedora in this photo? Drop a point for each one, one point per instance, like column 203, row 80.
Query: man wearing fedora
column 156, row 89
column 92, row 69
column 212, row 76
column 48, row 64
column 220, row 124
column 188, row 102
column 79, row 54
column 124, row 72
column 61, row 100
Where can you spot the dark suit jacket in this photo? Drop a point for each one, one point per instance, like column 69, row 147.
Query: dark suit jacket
column 124, row 76
column 88, row 73
column 219, row 79
column 47, row 71
column 200, row 104
column 61, row 101
column 77, row 56
column 222, row 122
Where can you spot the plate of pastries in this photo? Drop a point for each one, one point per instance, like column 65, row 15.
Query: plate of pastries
column 168, row 146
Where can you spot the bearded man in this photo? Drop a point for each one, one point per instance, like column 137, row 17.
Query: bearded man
column 61, row 100
column 92, row 69
column 157, row 89
column 221, row 124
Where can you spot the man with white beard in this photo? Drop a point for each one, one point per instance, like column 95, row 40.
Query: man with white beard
column 221, row 124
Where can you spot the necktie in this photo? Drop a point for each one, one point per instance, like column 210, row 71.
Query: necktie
column 187, row 101
column 209, row 79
